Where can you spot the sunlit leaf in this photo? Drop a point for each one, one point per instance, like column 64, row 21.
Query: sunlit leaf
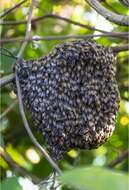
column 73, row 153
column 17, row 156
column 95, row 178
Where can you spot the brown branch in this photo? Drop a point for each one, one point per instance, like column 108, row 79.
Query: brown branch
column 52, row 16
column 119, row 159
column 41, row 149
column 6, row 80
column 21, row 108
column 11, row 9
column 28, row 30
column 113, row 17
column 8, row 109
column 63, row 37
column 17, row 168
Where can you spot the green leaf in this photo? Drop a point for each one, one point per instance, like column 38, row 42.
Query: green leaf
column 17, row 157
column 95, row 178
column 10, row 183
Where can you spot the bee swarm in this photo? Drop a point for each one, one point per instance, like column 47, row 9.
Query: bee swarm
column 72, row 95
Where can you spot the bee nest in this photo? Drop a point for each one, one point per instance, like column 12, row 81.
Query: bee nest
column 72, row 95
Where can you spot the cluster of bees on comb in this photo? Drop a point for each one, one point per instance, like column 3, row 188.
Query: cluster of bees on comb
column 72, row 95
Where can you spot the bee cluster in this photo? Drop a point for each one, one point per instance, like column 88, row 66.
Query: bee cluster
column 72, row 95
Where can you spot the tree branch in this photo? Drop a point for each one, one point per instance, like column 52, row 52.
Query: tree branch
column 8, row 79
column 21, row 108
column 119, row 159
column 41, row 149
column 11, row 9
column 63, row 37
column 52, row 16
column 113, row 17
column 28, row 30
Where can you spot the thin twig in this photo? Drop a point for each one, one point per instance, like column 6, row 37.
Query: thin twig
column 52, row 16
column 63, row 37
column 119, row 159
column 113, row 17
column 16, row 168
column 28, row 30
column 8, row 109
column 21, row 108
column 11, row 9
column 6, row 80
column 42, row 150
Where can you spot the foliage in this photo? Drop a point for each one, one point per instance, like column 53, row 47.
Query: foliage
column 10, row 183
column 95, row 178
column 12, row 133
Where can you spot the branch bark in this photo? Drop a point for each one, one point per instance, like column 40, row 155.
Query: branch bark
column 63, row 37
column 52, row 16
column 28, row 30
column 41, row 149
column 113, row 17
column 21, row 107
column 8, row 79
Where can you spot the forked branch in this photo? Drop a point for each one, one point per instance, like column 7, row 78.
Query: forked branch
column 123, row 35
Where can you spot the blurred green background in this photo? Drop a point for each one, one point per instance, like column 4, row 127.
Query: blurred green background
column 18, row 149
